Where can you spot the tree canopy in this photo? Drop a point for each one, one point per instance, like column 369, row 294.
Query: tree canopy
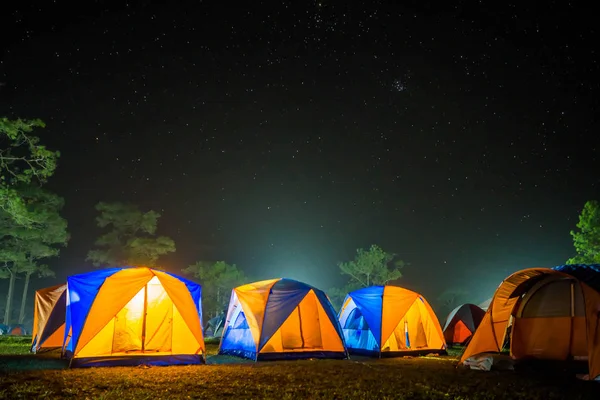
column 131, row 240
column 369, row 267
column 23, row 160
column 372, row 267
column 587, row 238
column 218, row 280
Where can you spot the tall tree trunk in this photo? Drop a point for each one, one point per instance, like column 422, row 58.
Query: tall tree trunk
column 9, row 295
column 24, row 298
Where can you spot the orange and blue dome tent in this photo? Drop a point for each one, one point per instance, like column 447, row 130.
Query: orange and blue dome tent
column 461, row 323
column 554, row 314
column 133, row 316
column 281, row 319
column 49, row 309
column 389, row 321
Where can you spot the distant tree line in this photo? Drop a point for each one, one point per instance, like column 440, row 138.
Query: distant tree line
column 32, row 230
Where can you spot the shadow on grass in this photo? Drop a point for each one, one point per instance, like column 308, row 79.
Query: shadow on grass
column 16, row 357
column 30, row 362
column 221, row 360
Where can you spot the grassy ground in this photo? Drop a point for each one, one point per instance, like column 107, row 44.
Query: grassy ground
column 25, row 376
column 10, row 345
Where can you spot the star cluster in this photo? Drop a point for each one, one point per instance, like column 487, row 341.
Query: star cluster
column 460, row 137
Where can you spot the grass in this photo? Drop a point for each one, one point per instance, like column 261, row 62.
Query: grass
column 396, row 378
column 12, row 345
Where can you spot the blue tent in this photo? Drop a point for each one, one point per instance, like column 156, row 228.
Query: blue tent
column 388, row 321
column 133, row 316
column 281, row 319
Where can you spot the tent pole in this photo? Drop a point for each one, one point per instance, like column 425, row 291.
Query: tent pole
column 144, row 318
column 300, row 323
column 381, row 322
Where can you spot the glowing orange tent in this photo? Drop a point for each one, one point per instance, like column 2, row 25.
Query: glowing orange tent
column 132, row 316
column 49, row 318
column 554, row 316
column 281, row 319
column 389, row 320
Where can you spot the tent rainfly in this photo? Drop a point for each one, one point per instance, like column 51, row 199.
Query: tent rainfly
column 133, row 316
column 554, row 314
column 461, row 323
column 388, row 321
column 281, row 319
column 49, row 309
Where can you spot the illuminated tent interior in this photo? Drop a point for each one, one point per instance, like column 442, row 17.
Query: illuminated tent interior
column 461, row 323
column 49, row 309
column 389, row 320
column 281, row 319
column 553, row 313
column 132, row 316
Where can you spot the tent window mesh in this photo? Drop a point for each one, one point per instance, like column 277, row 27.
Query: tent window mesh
column 240, row 322
column 356, row 321
column 551, row 300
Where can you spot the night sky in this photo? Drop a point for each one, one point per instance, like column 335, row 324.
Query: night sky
column 283, row 135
